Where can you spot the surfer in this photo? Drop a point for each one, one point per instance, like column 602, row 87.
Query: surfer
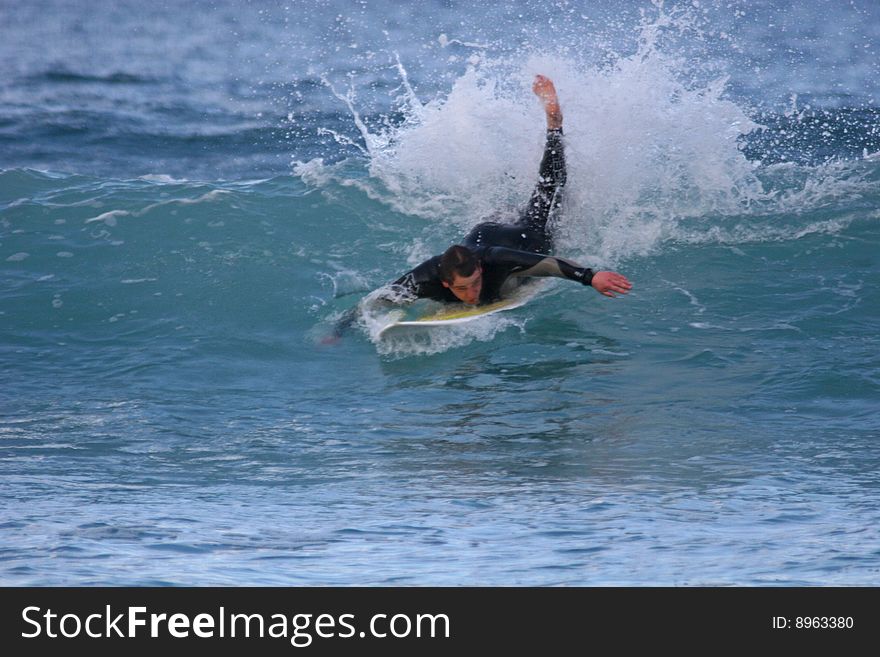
column 493, row 256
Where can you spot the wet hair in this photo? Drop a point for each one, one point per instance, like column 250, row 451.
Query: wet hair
column 457, row 260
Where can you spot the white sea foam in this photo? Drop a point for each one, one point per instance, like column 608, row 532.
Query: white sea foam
column 746, row 233
column 344, row 281
column 109, row 218
column 162, row 178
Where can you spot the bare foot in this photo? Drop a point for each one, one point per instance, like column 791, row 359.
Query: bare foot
column 546, row 93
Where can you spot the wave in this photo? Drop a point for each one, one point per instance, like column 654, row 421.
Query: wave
column 661, row 158
column 280, row 260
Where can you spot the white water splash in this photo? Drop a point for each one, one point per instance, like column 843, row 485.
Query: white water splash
column 651, row 140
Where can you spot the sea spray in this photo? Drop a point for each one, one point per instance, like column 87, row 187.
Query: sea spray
column 645, row 146
column 652, row 139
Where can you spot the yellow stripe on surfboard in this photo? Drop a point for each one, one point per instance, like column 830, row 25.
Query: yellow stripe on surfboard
column 459, row 313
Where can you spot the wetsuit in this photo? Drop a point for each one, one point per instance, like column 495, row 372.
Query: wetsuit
column 517, row 249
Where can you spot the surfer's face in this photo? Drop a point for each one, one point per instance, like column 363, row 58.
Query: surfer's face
column 467, row 289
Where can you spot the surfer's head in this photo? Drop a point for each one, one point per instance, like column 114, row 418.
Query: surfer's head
column 461, row 272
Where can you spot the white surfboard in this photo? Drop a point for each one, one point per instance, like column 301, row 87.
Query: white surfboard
column 460, row 313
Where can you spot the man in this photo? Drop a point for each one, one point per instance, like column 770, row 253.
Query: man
column 495, row 257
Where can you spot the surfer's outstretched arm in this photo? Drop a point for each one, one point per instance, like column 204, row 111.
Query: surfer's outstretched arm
column 525, row 264
column 552, row 174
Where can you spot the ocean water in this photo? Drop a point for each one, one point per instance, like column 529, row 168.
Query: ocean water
column 191, row 196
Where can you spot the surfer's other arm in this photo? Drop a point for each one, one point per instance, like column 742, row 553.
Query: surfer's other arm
column 422, row 282
column 523, row 263
column 609, row 282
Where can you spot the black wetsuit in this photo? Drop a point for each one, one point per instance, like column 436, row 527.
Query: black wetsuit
column 516, row 249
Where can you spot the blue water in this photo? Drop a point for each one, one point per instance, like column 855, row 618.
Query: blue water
column 190, row 197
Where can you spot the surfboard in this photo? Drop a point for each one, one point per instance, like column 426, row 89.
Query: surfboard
column 459, row 313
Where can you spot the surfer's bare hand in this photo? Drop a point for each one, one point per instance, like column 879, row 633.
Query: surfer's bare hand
column 543, row 88
column 609, row 282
